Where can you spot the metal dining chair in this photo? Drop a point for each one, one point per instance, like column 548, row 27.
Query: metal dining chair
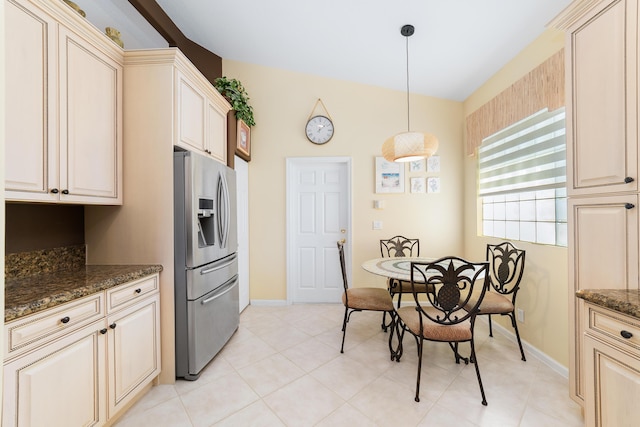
column 361, row 299
column 446, row 315
column 506, row 266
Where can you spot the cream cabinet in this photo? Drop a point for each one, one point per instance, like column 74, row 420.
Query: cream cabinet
column 82, row 362
column 601, row 48
column 64, row 115
column 200, row 114
column 602, row 99
column 611, row 368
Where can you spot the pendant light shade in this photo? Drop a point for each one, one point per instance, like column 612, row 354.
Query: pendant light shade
column 409, row 146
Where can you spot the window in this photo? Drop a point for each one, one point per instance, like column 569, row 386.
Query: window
column 522, row 180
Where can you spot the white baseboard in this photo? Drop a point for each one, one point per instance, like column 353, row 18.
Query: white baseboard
column 268, row 302
column 528, row 348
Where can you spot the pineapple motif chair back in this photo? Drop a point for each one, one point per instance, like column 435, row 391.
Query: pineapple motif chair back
column 506, row 266
column 399, row 246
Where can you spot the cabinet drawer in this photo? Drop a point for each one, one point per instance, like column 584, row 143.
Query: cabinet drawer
column 611, row 326
column 123, row 295
column 31, row 331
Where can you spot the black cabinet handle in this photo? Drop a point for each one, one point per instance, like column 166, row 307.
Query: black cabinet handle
column 65, row 319
column 138, row 290
column 103, row 331
column 626, row 334
column 628, row 179
column 53, row 191
column 65, row 191
column 113, row 325
column 629, row 206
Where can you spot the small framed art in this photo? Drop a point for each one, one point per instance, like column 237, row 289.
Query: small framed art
column 389, row 176
column 243, row 142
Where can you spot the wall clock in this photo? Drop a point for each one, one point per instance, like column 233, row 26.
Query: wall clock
column 319, row 128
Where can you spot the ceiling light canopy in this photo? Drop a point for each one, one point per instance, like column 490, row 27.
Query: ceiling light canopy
column 409, row 146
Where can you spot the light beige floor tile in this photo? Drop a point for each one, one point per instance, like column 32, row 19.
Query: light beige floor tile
column 244, row 353
column 346, row 416
column 439, row 416
column 218, row 399
column 217, row 368
column 257, row 414
column 310, row 354
column 389, row 403
column 283, row 338
column 270, row 374
column 169, row 414
column 345, row 376
column 534, row 418
column 156, row 396
column 304, row 402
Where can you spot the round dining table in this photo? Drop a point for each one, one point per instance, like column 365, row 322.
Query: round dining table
column 395, row 268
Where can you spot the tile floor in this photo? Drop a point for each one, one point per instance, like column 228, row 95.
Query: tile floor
column 283, row 367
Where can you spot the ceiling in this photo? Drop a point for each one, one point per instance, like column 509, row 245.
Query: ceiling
column 457, row 45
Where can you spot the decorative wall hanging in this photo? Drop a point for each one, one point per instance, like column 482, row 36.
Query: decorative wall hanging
column 319, row 128
column 433, row 164
column 418, row 185
column 243, row 141
column 389, row 176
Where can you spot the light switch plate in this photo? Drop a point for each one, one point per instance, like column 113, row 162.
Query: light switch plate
column 377, row 225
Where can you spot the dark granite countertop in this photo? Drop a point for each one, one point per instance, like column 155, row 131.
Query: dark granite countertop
column 31, row 294
column 620, row 300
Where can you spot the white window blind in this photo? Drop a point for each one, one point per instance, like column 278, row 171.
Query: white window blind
column 529, row 155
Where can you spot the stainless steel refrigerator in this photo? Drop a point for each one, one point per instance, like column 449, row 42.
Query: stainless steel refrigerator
column 206, row 260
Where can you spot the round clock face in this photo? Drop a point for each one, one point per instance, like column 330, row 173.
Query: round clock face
column 319, row 129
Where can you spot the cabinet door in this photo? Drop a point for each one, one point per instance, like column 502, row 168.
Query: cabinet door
column 90, row 113
column 31, row 77
column 602, row 133
column 604, row 255
column 190, row 114
column 614, row 385
column 216, row 133
column 133, row 350
column 61, row 384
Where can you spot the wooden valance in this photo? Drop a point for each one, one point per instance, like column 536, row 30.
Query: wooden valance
column 541, row 88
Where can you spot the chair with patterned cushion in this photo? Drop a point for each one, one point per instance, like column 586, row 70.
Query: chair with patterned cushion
column 361, row 299
column 442, row 316
column 506, row 266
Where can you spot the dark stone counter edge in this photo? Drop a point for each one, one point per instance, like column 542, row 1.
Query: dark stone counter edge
column 620, row 300
column 44, row 302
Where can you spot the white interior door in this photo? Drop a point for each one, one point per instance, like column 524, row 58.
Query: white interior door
column 242, row 188
column 318, row 215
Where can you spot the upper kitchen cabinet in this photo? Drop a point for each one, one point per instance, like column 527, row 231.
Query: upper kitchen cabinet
column 64, row 107
column 602, row 97
column 200, row 114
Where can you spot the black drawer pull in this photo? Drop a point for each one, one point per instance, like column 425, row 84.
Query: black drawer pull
column 138, row 290
column 628, row 179
column 65, row 191
column 54, row 191
column 113, row 325
column 626, row 334
column 629, row 206
column 65, row 319
column 103, row 331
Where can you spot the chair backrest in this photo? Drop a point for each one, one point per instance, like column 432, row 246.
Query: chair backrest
column 343, row 266
column 453, row 280
column 506, row 265
column 399, row 246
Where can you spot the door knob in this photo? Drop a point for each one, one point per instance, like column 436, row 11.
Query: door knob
column 343, row 241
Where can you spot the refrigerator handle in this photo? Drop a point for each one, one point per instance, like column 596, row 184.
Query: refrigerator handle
column 223, row 210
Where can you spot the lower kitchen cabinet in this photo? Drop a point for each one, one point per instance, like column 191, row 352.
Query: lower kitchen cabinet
column 612, row 369
column 90, row 373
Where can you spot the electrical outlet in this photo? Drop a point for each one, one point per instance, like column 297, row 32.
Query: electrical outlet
column 520, row 315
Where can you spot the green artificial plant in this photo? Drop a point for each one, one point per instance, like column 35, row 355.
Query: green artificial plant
column 235, row 93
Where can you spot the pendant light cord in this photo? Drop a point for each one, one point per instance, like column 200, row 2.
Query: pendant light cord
column 408, row 118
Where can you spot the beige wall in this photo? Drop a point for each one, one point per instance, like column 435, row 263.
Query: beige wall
column 544, row 292
column 364, row 116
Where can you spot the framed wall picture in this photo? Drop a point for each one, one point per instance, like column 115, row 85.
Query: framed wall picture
column 433, row 184
column 243, row 141
column 433, row 164
column 418, row 185
column 389, row 176
column 416, row 165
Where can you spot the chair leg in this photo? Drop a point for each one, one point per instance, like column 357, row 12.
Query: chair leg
column 473, row 356
column 515, row 327
column 399, row 298
column 384, row 321
column 344, row 328
column 490, row 328
column 454, row 348
column 421, row 340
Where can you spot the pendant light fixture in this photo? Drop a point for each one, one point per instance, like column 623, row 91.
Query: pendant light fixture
column 408, row 146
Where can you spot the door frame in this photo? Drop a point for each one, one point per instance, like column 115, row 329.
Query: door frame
column 293, row 162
